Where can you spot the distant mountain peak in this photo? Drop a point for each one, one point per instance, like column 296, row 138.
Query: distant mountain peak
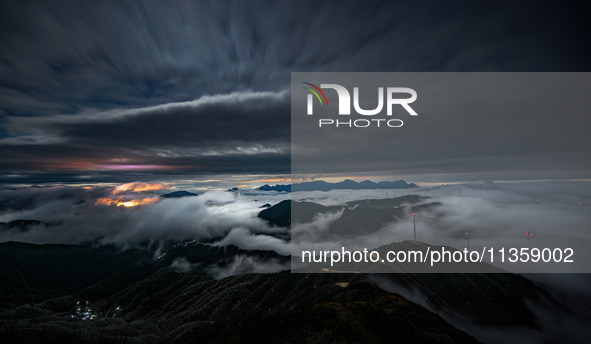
column 321, row 185
column 278, row 188
column 351, row 184
column 178, row 194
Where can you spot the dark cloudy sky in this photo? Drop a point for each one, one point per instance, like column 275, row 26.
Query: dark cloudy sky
column 174, row 90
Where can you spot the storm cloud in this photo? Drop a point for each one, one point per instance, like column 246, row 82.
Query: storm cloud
column 117, row 92
column 215, row 134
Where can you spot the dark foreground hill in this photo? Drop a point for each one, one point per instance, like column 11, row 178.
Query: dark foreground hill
column 168, row 307
column 34, row 273
column 136, row 297
column 284, row 212
column 358, row 216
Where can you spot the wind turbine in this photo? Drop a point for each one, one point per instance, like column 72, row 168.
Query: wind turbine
column 414, row 225
column 467, row 237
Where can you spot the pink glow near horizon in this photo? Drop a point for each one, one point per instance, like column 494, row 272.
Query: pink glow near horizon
column 134, row 167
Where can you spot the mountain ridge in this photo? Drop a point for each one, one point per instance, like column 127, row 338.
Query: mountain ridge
column 347, row 184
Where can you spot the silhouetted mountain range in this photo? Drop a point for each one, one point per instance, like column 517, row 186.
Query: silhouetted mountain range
column 351, row 185
column 178, row 194
column 346, row 184
column 278, row 187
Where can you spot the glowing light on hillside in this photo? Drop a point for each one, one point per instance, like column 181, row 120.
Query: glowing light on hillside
column 137, row 202
column 137, row 187
column 126, row 203
column 105, row 201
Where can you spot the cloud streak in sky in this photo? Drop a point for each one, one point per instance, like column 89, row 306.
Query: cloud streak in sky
column 213, row 134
